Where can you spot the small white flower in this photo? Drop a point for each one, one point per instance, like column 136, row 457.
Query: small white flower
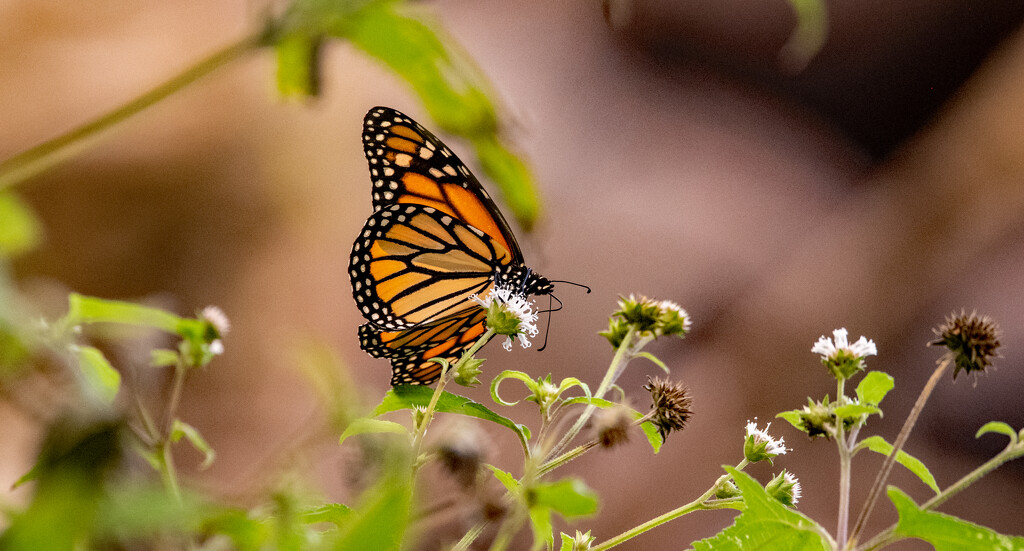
column 514, row 305
column 217, row 347
column 829, row 350
column 791, row 479
column 760, row 437
column 216, row 317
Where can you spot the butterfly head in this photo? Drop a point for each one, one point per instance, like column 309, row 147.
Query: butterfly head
column 524, row 280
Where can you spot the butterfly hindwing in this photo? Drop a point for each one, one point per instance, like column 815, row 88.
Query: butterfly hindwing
column 413, row 265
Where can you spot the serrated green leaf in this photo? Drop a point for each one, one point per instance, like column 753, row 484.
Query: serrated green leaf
column 181, row 429
column 409, row 396
column 873, row 388
column 569, row 497
column 372, row 426
column 853, row 411
column 878, row 444
column 19, row 229
column 945, row 532
column 766, row 525
column 298, row 65
column 99, row 375
column 999, row 427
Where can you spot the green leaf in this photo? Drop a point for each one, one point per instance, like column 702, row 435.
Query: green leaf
column 162, row 357
column 334, row 513
column 380, row 520
column 873, row 388
column 19, row 229
column 83, row 309
column 410, row 396
column 569, row 497
column 794, row 418
column 653, row 435
column 298, row 65
column 945, row 532
column 372, row 426
column 99, row 375
column 513, row 177
column 567, row 542
column 853, row 411
column 878, row 444
column 766, row 525
column 999, row 427
column 181, row 429
column 654, row 359
column 808, row 36
column 451, row 89
column 540, row 522
column 510, row 374
column 506, row 479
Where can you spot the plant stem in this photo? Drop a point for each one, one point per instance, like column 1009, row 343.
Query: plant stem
column 38, row 158
column 845, row 459
column 695, row 505
column 619, row 361
column 901, row 439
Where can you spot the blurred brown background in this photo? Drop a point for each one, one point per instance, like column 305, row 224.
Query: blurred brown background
column 878, row 190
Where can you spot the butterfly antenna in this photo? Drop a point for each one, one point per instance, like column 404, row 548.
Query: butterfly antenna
column 570, row 283
column 547, row 328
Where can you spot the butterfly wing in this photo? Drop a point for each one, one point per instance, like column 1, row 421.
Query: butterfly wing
column 414, row 265
column 410, row 351
column 409, row 165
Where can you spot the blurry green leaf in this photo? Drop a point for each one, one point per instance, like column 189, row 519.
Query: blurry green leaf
column 298, row 65
column 132, row 511
column 512, row 176
column 181, row 428
column 945, row 532
column 653, row 435
column 98, row 374
column 75, row 459
column 540, row 522
column 568, row 497
column 245, row 532
column 83, row 309
column 14, row 351
column 334, row 513
column 330, row 378
column 380, row 521
column 655, row 360
column 794, row 418
column 873, row 388
column 372, row 426
column 410, row 396
column 161, row 357
column 808, row 37
column 766, row 525
column 567, row 542
column 878, row 445
column 19, row 228
column 999, row 427
column 450, row 88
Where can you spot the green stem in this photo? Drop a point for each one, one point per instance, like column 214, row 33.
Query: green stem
column 901, row 439
column 695, row 505
column 37, row 159
column 619, row 361
column 845, row 459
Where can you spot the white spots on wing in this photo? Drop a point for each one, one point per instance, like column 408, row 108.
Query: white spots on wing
column 426, row 153
column 403, row 159
column 388, row 171
column 436, row 173
column 449, row 170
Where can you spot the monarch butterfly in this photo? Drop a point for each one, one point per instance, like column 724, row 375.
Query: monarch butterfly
column 434, row 239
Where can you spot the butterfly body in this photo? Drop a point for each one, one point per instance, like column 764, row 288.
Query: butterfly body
column 435, row 238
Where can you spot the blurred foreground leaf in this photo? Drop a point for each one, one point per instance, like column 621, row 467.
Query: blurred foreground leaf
column 19, row 229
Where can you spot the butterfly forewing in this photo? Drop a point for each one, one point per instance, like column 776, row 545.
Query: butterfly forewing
column 408, row 164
